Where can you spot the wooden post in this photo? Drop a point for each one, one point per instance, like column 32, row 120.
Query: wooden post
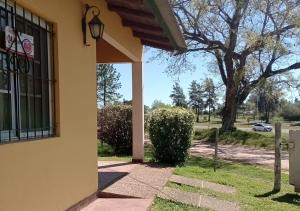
column 277, row 164
column 216, row 150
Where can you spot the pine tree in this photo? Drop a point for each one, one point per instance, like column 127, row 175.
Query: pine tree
column 196, row 98
column 178, row 96
column 107, row 84
column 268, row 98
column 209, row 95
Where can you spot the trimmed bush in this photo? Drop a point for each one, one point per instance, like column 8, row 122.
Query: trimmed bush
column 291, row 113
column 115, row 128
column 170, row 131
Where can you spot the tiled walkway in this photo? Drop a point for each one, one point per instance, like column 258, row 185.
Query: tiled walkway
column 128, row 187
column 202, row 184
column 198, row 200
column 132, row 187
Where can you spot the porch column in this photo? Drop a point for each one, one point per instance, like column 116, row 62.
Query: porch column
column 137, row 112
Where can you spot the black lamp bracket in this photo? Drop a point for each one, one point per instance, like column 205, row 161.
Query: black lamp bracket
column 96, row 12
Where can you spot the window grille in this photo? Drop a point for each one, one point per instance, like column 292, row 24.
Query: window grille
column 26, row 80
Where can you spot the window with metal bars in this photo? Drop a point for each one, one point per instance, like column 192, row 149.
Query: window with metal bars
column 26, row 81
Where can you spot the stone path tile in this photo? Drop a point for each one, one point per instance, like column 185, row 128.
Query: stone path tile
column 197, row 200
column 119, row 205
column 202, row 184
column 122, row 182
column 143, row 181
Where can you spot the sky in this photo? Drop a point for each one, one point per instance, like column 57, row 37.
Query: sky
column 158, row 84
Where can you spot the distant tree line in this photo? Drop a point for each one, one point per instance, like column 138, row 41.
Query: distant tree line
column 202, row 97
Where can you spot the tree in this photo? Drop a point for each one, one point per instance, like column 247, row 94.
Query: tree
column 178, row 96
column 209, row 95
column 268, row 98
column 196, row 98
column 129, row 102
column 159, row 104
column 249, row 40
column 107, row 84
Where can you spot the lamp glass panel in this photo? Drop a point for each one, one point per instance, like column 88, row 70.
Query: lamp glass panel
column 95, row 30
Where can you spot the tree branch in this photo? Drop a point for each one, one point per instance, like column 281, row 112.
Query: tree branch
column 283, row 70
column 221, row 66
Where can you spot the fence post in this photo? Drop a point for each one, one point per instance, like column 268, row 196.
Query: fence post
column 277, row 163
column 216, row 150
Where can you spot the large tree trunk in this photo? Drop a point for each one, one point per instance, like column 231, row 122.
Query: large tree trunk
column 267, row 117
column 230, row 109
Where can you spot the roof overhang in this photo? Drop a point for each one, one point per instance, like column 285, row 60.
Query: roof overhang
column 152, row 21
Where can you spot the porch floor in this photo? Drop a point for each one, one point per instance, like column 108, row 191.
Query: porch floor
column 127, row 186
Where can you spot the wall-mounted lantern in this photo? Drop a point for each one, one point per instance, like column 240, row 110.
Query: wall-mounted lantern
column 95, row 24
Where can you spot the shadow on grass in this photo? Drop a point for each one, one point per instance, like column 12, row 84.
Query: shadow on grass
column 208, row 163
column 264, row 195
column 290, row 198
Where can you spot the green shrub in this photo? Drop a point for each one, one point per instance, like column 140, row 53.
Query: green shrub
column 115, row 128
column 170, row 131
column 291, row 113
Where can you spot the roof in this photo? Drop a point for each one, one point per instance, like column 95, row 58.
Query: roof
column 152, row 21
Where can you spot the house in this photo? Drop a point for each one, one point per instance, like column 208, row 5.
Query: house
column 48, row 158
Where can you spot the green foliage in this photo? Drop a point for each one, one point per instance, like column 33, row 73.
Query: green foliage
column 106, row 152
column 196, row 98
column 209, row 95
column 291, row 112
column 115, row 128
column 238, row 137
column 170, row 131
column 107, row 84
column 268, row 94
column 178, row 96
column 159, row 104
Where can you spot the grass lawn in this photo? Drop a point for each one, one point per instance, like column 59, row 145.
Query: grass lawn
column 254, row 186
column 105, row 153
column 264, row 140
column 165, row 205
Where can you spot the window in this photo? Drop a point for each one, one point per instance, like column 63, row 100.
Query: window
column 26, row 81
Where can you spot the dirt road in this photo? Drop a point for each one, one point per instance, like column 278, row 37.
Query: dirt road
column 239, row 154
column 283, row 130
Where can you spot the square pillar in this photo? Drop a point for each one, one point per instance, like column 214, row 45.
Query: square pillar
column 137, row 113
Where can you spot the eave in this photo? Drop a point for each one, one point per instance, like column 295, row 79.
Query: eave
column 152, row 21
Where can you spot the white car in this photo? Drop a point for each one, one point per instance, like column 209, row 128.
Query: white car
column 262, row 127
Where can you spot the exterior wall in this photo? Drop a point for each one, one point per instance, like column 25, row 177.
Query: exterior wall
column 120, row 37
column 53, row 174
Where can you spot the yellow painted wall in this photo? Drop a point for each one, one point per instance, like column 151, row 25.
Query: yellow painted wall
column 53, row 174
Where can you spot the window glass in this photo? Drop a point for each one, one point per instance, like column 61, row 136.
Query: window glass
column 26, row 101
column 5, row 112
